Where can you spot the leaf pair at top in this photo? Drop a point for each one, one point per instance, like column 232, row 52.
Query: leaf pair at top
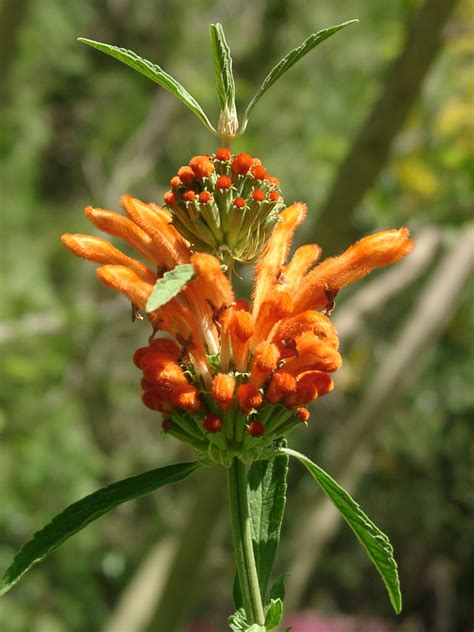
column 228, row 124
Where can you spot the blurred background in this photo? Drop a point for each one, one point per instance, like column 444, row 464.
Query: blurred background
column 373, row 130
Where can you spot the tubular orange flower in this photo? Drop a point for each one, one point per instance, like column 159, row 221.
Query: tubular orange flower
column 221, row 359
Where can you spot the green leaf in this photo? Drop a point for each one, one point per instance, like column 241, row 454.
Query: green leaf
column 287, row 62
column 375, row 542
column 81, row 513
column 266, row 496
column 274, row 614
column 256, row 628
column 155, row 73
column 222, row 67
column 169, row 286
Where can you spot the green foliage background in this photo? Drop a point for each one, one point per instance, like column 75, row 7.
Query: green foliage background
column 77, row 129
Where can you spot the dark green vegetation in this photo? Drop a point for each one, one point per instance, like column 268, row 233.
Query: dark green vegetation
column 78, row 128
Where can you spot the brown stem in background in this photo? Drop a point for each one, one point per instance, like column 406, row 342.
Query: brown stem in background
column 370, row 149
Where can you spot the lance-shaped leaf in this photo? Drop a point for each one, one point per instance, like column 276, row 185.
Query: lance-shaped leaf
column 155, row 73
column 169, row 286
column 222, row 67
column 266, row 497
column 84, row 511
column 288, row 61
column 375, row 542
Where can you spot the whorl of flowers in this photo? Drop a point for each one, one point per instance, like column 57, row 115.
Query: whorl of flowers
column 230, row 377
column 225, row 204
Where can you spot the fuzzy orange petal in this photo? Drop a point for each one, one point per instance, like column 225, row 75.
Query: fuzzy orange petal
column 375, row 251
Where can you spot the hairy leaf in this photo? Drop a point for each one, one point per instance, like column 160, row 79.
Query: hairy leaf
column 222, row 66
column 266, row 495
column 375, row 542
column 155, row 73
column 289, row 60
column 169, row 286
column 84, row 511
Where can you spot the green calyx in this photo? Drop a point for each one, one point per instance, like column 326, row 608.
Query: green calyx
column 249, row 437
column 227, row 206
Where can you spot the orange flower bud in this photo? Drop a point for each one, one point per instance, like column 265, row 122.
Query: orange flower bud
column 256, row 429
column 205, row 197
column 249, row 397
column 274, row 196
column 169, row 198
column 239, row 202
column 212, row 423
column 302, row 413
column 223, row 386
column 223, row 154
column 259, row 172
column 189, row 195
column 223, row 182
column 175, row 182
column 201, row 166
column 258, row 195
column 241, row 164
column 186, row 175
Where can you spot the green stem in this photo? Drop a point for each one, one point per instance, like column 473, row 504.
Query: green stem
column 242, row 539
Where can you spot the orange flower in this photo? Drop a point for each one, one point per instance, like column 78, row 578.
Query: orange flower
column 221, row 359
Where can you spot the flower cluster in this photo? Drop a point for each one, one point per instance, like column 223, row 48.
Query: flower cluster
column 230, row 377
column 225, row 204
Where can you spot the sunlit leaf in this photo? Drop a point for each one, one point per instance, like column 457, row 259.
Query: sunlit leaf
column 169, row 286
column 289, row 60
column 375, row 542
column 155, row 73
column 266, row 484
column 84, row 511
column 222, row 66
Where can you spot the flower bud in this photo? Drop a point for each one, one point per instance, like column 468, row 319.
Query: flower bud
column 256, row 429
column 212, row 423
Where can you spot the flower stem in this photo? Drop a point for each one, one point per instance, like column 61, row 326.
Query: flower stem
column 242, row 539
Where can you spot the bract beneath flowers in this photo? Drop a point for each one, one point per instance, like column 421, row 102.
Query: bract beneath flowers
column 230, row 377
